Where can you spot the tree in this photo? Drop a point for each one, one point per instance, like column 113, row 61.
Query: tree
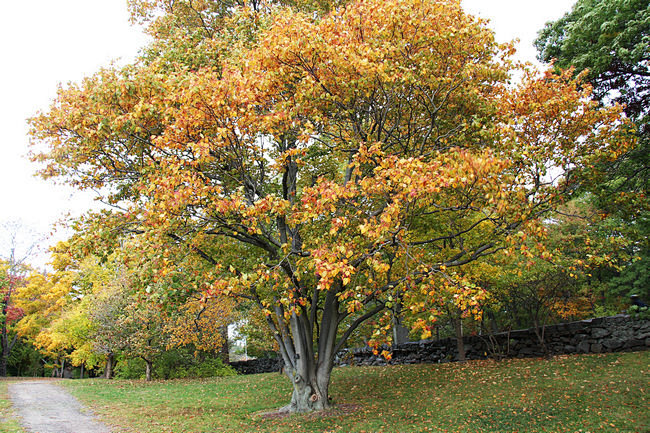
column 328, row 165
column 13, row 272
column 201, row 323
column 11, row 279
column 609, row 39
column 88, row 310
column 55, row 320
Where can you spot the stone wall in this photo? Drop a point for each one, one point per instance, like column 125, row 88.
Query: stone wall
column 603, row 334
column 259, row 365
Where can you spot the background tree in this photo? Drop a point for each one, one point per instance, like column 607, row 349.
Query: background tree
column 17, row 244
column 557, row 273
column 610, row 39
column 327, row 165
column 12, row 277
column 55, row 317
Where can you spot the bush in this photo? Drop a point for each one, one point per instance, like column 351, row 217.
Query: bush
column 175, row 364
column 130, row 368
column 641, row 313
column 25, row 360
column 209, row 368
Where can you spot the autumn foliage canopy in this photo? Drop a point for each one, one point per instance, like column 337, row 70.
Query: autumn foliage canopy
column 327, row 167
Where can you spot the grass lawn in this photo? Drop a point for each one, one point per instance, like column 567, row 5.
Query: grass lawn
column 588, row 393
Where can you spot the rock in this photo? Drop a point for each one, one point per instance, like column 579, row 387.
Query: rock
column 575, row 327
column 577, row 339
column 255, row 366
column 629, row 344
column 612, row 344
column 600, row 332
column 583, row 347
column 526, row 351
column 596, row 348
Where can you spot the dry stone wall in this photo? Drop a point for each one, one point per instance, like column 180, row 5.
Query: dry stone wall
column 603, row 334
column 259, row 365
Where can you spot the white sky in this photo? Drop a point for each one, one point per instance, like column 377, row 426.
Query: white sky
column 44, row 43
column 47, row 42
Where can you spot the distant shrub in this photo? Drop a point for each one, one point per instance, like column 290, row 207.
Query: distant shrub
column 133, row 368
column 209, row 368
column 175, row 364
column 639, row 312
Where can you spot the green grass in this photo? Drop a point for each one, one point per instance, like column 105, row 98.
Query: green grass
column 8, row 419
column 591, row 393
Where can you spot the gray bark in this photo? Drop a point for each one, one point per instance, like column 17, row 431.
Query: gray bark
column 309, row 375
column 460, row 345
column 149, row 368
column 224, row 352
column 108, row 371
column 6, row 342
column 308, row 362
column 400, row 332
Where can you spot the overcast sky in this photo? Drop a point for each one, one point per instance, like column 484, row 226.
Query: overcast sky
column 47, row 42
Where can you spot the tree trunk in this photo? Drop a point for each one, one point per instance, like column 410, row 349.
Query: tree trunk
column 308, row 394
column 148, row 369
column 308, row 343
column 310, row 380
column 309, row 374
column 81, row 375
column 400, row 332
column 310, row 377
column 460, row 345
column 108, row 371
column 3, row 363
column 4, row 341
column 224, row 352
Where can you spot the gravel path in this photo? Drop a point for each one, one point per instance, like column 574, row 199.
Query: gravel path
column 46, row 408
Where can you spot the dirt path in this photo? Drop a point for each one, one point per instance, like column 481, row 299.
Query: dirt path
column 46, row 408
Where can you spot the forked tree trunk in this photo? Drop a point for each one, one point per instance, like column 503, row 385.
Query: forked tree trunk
column 540, row 330
column 309, row 376
column 308, row 350
column 309, row 394
column 308, row 365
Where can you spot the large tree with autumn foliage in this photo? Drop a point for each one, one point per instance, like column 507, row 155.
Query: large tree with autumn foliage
column 328, row 167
